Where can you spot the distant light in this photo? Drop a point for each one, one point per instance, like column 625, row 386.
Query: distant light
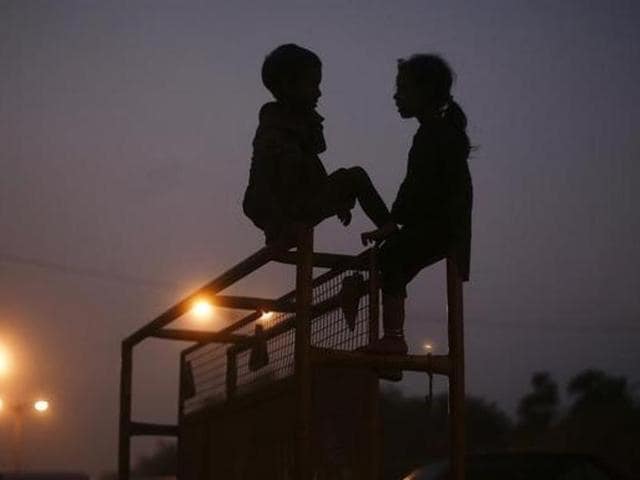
column 202, row 309
column 5, row 361
column 428, row 347
column 41, row 405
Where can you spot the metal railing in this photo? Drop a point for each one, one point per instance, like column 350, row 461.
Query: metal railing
column 308, row 329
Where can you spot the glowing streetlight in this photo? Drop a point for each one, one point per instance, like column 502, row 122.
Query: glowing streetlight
column 5, row 361
column 428, row 347
column 41, row 405
column 202, row 309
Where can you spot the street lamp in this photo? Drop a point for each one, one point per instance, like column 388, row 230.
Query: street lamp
column 202, row 309
column 19, row 411
column 5, row 361
column 41, row 406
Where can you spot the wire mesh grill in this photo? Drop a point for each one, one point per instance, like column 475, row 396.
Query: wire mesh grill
column 337, row 324
column 208, row 366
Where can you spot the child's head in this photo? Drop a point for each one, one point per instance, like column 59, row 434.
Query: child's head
column 423, row 87
column 292, row 74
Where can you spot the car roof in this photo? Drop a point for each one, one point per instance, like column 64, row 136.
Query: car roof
column 43, row 476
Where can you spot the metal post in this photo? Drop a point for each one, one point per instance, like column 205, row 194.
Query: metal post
column 304, row 297
column 232, row 374
column 456, row 375
column 374, row 296
column 181, row 401
column 17, row 440
column 374, row 332
column 124, row 447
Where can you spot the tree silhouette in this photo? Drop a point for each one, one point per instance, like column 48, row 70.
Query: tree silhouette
column 604, row 419
column 595, row 390
column 413, row 433
column 537, row 409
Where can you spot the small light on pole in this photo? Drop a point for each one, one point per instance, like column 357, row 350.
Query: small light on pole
column 428, row 347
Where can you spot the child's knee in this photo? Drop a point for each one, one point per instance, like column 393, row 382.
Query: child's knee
column 357, row 172
column 359, row 177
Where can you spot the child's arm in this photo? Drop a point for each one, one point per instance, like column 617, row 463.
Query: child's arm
column 377, row 236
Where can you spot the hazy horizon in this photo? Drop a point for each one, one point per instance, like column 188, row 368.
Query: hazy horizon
column 126, row 130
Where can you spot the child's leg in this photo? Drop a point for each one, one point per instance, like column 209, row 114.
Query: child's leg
column 343, row 187
column 401, row 258
column 367, row 196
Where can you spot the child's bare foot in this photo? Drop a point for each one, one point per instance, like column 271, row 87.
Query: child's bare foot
column 376, row 236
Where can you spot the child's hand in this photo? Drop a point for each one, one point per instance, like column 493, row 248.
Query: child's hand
column 377, row 236
column 345, row 217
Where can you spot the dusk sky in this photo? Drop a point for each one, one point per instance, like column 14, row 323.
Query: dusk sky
column 125, row 134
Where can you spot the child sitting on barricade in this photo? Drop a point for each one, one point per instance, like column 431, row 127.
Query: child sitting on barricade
column 288, row 184
column 433, row 205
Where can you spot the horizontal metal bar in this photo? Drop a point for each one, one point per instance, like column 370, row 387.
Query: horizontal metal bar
column 152, row 429
column 438, row 364
column 242, row 269
column 321, row 260
column 198, row 336
column 251, row 303
column 361, row 258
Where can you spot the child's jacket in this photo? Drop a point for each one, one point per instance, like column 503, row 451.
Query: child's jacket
column 436, row 195
column 286, row 171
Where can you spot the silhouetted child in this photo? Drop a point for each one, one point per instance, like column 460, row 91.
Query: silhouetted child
column 288, row 183
column 433, row 205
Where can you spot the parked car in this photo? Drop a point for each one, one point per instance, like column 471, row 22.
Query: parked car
column 523, row 466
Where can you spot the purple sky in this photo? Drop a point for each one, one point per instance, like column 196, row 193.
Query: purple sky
column 126, row 130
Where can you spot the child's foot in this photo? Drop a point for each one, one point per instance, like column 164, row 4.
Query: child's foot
column 376, row 236
column 388, row 346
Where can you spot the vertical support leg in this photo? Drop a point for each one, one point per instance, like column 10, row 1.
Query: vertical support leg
column 231, row 375
column 374, row 296
column 304, row 275
column 124, row 446
column 182, row 394
column 374, row 332
column 456, row 376
column 17, row 440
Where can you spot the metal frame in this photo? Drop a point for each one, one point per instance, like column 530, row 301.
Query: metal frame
column 306, row 356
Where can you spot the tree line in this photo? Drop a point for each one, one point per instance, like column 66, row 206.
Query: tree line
column 602, row 418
